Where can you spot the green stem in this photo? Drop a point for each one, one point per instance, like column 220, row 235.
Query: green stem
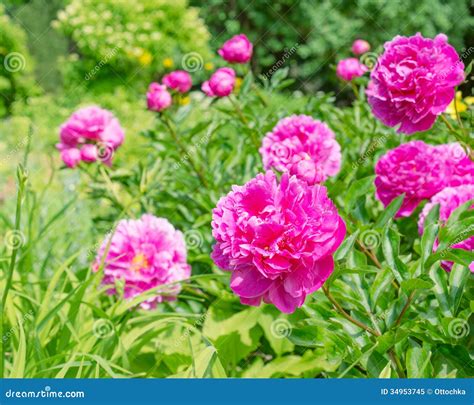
column 395, row 360
column 22, row 178
column 183, row 151
column 244, row 121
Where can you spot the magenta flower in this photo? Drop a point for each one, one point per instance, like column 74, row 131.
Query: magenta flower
column 350, row 68
column 360, row 47
column 304, row 147
column 414, row 168
column 90, row 134
column 460, row 167
column 238, row 49
column 449, row 199
column 413, row 82
column 277, row 239
column 144, row 253
column 179, row 80
column 207, row 89
column 158, row 98
column 221, row 83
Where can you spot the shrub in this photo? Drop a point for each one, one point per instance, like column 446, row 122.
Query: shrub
column 132, row 38
column 324, row 30
column 16, row 81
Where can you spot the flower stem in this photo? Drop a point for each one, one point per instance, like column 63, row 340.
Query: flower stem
column 244, row 121
column 405, row 308
column 343, row 312
column 22, row 178
column 183, row 151
column 396, row 362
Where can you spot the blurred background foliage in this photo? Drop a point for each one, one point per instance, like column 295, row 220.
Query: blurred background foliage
column 324, row 30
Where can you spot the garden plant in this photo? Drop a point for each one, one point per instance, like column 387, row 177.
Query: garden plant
column 206, row 219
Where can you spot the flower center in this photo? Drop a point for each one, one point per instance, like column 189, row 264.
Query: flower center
column 139, row 262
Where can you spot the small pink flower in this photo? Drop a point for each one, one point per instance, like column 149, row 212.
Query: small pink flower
column 158, row 98
column 304, row 147
column 222, row 82
column 416, row 169
column 207, row 89
column 360, row 47
column 87, row 128
column 145, row 253
column 179, row 80
column 350, row 68
column 413, row 82
column 449, row 199
column 238, row 49
column 277, row 239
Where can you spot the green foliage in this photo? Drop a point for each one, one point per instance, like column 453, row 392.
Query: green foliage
column 403, row 315
column 322, row 31
column 16, row 66
column 127, row 39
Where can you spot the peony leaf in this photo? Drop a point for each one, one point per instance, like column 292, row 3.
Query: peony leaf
column 418, row 363
column 389, row 212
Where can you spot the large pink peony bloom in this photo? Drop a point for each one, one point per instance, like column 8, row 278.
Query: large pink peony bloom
column 277, row 239
column 360, row 46
column 158, row 97
column 179, row 80
column 413, row 82
column 90, row 134
column 350, row 68
column 304, row 147
column 449, row 199
column 238, row 49
column 144, row 253
column 414, row 168
column 221, row 83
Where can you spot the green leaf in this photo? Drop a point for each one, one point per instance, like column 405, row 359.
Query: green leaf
column 19, row 356
column 418, row 363
column 357, row 189
column 458, row 278
column 346, row 246
column 389, row 212
column 276, row 328
column 420, row 283
column 386, row 372
column 234, row 332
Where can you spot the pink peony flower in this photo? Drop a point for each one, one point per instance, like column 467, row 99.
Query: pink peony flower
column 449, row 199
column 158, row 98
column 221, row 83
column 86, row 130
column 414, row 168
column 360, row 46
column 413, row 82
column 304, row 147
column 238, row 49
column 144, row 253
column 206, row 89
column 460, row 167
column 350, row 68
column 277, row 239
column 179, row 80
